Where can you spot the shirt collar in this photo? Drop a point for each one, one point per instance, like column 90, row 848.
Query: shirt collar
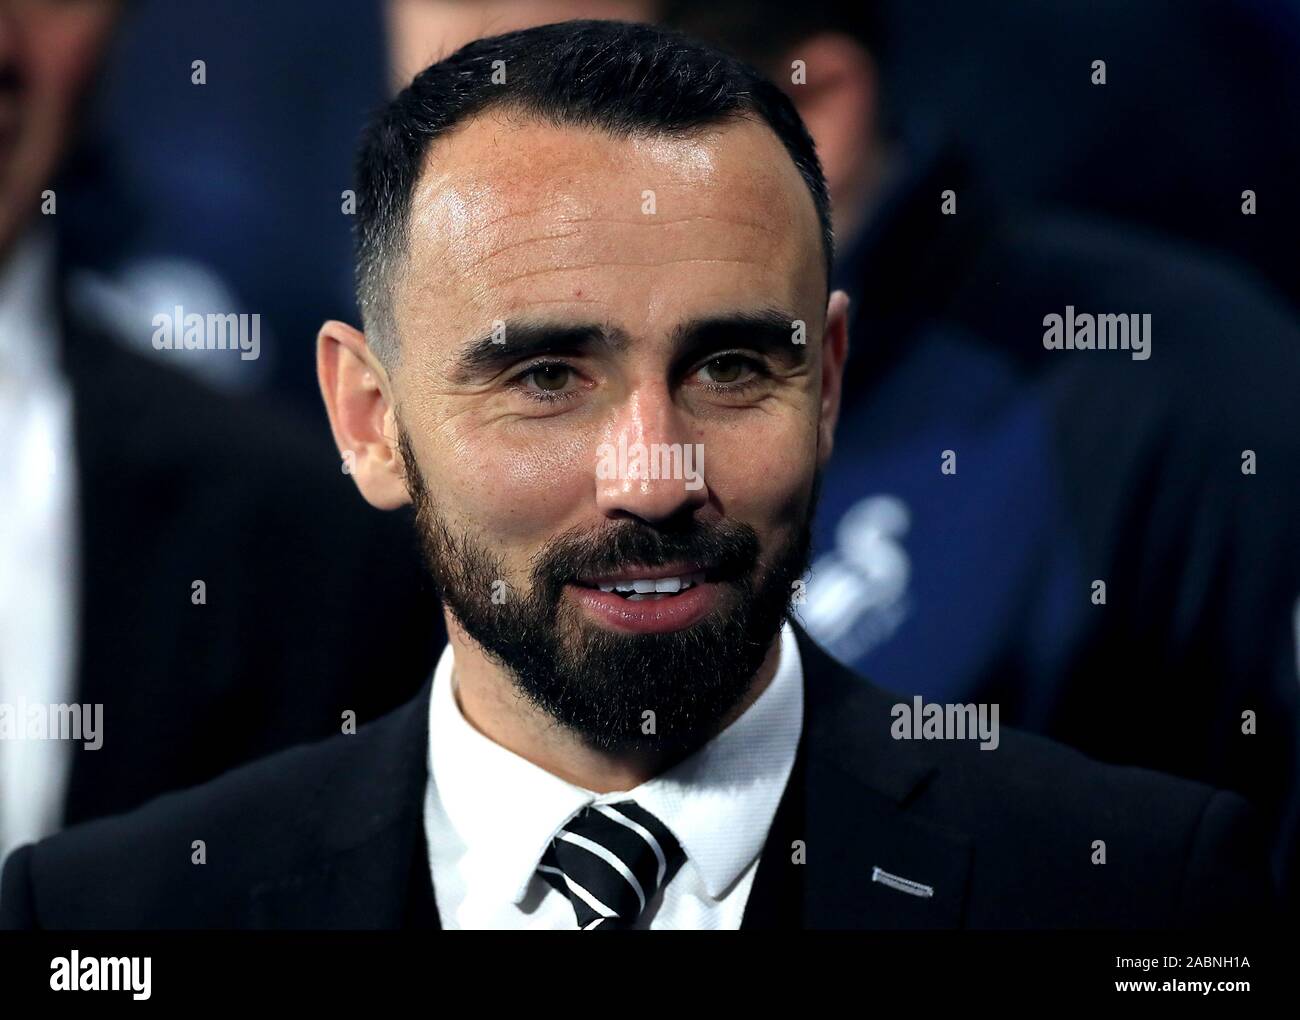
column 719, row 802
column 28, row 321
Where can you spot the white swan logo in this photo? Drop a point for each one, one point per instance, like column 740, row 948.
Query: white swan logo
column 857, row 594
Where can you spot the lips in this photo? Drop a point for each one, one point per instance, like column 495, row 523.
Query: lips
column 648, row 599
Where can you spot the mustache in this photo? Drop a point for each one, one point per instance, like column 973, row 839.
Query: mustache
column 726, row 550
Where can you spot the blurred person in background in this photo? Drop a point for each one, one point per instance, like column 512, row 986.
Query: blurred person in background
column 632, row 735
column 241, row 198
column 1199, row 105
column 265, row 143
column 175, row 560
column 1104, row 542
column 1072, row 466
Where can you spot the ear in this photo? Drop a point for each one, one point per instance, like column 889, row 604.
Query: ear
column 358, row 398
column 835, row 351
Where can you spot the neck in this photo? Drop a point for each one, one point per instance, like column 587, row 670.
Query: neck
column 491, row 703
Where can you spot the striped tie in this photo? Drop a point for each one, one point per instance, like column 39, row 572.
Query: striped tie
column 610, row 860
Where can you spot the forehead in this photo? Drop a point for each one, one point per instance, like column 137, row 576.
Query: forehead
column 515, row 216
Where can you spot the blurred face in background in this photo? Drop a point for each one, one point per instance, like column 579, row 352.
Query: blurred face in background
column 422, row 32
column 49, row 52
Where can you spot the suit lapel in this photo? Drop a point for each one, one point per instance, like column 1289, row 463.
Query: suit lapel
column 849, row 807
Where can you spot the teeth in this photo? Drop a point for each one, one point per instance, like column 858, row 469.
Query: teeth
column 657, row 586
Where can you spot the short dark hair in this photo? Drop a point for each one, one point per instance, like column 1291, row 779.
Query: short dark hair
column 623, row 78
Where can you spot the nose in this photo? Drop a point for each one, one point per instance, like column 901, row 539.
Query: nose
column 649, row 465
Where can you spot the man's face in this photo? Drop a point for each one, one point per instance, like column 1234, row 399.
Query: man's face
column 651, row 413
column 49, row 49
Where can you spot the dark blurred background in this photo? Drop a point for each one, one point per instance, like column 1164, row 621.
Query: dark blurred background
column 1126, row 195
column 235, row 198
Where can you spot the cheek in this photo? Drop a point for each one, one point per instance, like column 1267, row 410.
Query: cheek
column 515, row 490
column 63, row 55
column 762, row 473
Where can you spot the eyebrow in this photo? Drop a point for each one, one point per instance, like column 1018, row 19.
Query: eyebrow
column 528, row 338
column 769, row 330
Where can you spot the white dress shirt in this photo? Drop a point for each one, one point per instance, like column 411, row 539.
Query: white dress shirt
column 490, row 814
column 38, row 545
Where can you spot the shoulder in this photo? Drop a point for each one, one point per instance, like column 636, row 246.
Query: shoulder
column 1056, row 838
column 192, row 858
column 243, row 493
column 1103, row 844
column 1125, row 260
column 1213, row 323
column 136, row 414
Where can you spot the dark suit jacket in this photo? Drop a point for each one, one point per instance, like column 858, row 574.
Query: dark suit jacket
column 1116, row 466
column 331, row 836
column 315, row 603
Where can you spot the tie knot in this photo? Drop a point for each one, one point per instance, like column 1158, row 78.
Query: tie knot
column 610, row 860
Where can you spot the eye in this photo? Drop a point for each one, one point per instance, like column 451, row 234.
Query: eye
column 731, row 371
column 550, row 380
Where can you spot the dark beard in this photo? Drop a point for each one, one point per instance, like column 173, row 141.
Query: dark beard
column 600, row 684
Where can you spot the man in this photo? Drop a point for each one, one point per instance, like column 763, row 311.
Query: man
column 603, row 361
column 977, row 579
column 173, row 565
